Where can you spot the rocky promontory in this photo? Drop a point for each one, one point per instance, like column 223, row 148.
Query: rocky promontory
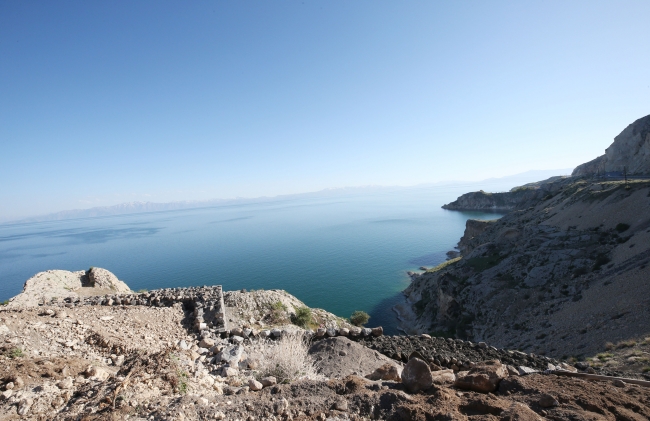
column 505, row 201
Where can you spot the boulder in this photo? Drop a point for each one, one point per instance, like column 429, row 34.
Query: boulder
column 231, row 354
column 483, row 377
column 416, row 376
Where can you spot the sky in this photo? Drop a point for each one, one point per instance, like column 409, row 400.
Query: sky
column 109, row 102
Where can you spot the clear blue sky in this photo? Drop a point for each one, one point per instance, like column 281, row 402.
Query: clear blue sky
column 108, row 102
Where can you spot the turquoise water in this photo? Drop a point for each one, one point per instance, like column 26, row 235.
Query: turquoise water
column 343, row 252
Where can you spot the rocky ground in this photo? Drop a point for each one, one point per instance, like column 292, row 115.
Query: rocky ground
column 140, row 362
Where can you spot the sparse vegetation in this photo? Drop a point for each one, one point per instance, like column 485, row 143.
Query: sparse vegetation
column 14, row 353
column 359, row 318
column 278, row 313
column 303, row 317
column 182, row 382
column 4, row 303
column 444, row 265
column 626, row 344
column 287, row 359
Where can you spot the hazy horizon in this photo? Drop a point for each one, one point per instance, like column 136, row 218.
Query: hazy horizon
column 491, row 184
column 106, row 103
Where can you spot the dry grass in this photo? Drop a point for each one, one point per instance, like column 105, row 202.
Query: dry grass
column 286, row 359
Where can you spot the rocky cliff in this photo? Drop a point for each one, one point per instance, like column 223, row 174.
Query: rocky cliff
column 563, row 275
column 630, row 150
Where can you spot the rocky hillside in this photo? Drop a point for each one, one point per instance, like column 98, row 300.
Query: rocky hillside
column 566, row 275
column 630, row 150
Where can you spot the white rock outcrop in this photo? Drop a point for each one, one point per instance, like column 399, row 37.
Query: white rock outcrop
column 62, row 283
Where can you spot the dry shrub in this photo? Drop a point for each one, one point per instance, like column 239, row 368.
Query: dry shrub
column 286, row 359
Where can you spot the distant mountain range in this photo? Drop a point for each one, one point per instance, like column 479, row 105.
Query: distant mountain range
column 503, row 183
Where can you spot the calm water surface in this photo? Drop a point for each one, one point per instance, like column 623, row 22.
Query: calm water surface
column 341, row 253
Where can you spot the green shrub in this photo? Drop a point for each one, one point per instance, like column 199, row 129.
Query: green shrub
column 444, row 265
column 15, row 353
column 622, row 227
column 303, row 317
column 4, row 303
column 278, row 313
column 359, row 318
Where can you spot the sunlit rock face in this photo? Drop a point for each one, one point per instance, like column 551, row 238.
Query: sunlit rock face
column 630, row 152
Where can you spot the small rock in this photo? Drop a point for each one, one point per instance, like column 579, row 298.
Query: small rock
column 9, row 386
column 341, row 405
column 519, row 412
column 254, row 385
column 269, row 381
column 97, row 373
column 6, row 394
column 484, row 377
column 25, row 405
column 618, row 383
column 512, row 371
column 443, row 377
column 526, row 370
column 183, row 345
column 547, row 401
column 65, row 384
column 229, row 372
column 281, row 406
column 387, row 371
column 206, row 343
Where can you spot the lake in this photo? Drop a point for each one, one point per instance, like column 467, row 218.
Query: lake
column 342, row 251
